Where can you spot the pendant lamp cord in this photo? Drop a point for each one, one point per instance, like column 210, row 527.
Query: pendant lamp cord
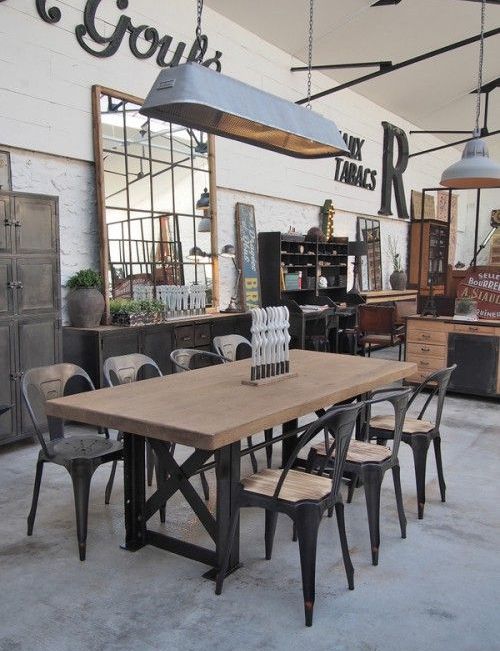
column 477, row 130
column 199, row 10
column 310, row 53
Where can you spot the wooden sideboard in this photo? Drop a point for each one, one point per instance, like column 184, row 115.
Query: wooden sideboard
column 390, row 295
column 433, row 343
column 89, row 347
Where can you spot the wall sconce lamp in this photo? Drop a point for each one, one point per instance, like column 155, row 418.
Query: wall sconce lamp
column 228, row 251
column 203, row 203
column 198, row 255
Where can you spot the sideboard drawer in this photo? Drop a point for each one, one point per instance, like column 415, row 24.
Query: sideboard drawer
column 184, row 336
column 420, row 350
column 428, row 336
column 474, row 329
column 202, row 334
column 427, row 364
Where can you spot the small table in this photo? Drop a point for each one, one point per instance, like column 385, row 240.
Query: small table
column 210, row 410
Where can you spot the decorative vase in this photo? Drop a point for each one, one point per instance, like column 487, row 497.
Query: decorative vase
column 398, row 280
column 85, row 307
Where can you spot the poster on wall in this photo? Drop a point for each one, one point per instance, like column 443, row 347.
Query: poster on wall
column 416, row 206
column 5, row 175
column 248, row 259
column 482, row 285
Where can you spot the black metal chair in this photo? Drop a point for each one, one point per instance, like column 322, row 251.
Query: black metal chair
column 369, row 462
column 418, row 433
column 80, row 455
column 124, row 369
column 232, row 348
column 304, row 498
column 185, row 359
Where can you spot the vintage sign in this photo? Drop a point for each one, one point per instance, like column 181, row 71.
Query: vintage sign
column 144, row 41
column 483, row 286
column 347, row 171
column 248, row 258
column 392, row 173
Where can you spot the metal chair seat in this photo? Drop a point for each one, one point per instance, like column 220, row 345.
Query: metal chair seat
column 67, row 449
column 360, row 452
column 298, row 486
column 410, row 426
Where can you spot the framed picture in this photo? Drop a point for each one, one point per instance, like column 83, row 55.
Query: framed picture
column 368, row 230
column 5, row 174
column 416, row 206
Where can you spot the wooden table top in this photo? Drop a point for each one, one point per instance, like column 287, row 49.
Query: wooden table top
column 209, row 408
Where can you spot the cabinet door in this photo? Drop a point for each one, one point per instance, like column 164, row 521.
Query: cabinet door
column 7, row 383
column 38, row 287
column 477, row 363
column 6, row 289
column 39, row 345
column 5, row 228
column 157, row 344
column 35, row 224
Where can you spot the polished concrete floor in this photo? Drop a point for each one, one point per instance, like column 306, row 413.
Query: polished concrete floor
column 437, row 590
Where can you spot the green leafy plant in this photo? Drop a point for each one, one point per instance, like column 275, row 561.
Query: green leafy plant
column 464, row 305
column 85, row 279
column 393, row 252
column 130, row 306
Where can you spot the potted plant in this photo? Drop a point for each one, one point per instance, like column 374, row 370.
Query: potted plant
column 398, row 277
column 85, row 301
column 129, row 312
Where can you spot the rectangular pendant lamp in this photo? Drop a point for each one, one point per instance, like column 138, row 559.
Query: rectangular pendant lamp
column 200, row 98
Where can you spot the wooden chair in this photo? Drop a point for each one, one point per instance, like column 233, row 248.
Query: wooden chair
column 303, row 497
column 377, row 327
column 80, row 455
column 405, row 309
column 418, row 433
column 233, row 347
column 369, row 462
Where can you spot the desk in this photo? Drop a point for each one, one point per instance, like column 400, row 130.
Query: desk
column 210, row 410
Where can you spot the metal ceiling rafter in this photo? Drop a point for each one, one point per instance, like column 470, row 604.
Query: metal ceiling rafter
column 402, row 64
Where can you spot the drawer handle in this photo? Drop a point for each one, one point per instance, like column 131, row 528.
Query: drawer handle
column 425, row 349
column 188, row 338
column 424, row 336
column 424, row 363
column 473, row 328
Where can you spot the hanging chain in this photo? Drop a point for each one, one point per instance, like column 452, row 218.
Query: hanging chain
column 480, row 71
column 310, row 54
column 199, row 10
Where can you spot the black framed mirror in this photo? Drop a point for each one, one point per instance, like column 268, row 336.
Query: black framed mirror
column 368, row 230
column 157, row 219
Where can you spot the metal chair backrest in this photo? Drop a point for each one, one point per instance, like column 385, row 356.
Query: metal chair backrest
column 338, row 422
column 227, row 345
column 400, row 400
column 377, row 319
column 124, row 369
column 46, row 383
column 184, row 358
column 437, row 383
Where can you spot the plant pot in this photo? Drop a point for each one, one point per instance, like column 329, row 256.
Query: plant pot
column 85, row 307
column 398, row 280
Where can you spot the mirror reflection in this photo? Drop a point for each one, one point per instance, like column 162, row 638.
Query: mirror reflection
column 371, row 264
column 157, row 217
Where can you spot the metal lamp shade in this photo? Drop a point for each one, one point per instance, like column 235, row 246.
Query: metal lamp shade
column 474, row 170
column 195, row 96
column 204, row 225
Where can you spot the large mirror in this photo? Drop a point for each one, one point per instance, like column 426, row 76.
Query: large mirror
column 371, row 264
column 154, row 187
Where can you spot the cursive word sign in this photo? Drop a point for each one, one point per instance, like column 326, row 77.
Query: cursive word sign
column 144, row 41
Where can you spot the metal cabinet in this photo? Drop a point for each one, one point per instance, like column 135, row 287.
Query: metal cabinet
column 30, row 322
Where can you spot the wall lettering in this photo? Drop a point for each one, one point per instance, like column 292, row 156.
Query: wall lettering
column 144, row 41
column 351, row 173
column 392, row 174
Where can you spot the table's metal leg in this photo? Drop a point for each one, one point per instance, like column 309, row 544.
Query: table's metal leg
column 227, row 471
column 289, row 443
column 134, row 491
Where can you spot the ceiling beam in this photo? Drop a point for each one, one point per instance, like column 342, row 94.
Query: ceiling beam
column 402, row 64
column 339, row 66
column 453, row 144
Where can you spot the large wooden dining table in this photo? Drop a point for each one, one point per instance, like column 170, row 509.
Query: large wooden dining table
column 211, row 411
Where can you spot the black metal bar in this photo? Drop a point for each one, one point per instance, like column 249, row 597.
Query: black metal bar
column 476, row 230
column 181, row 547
column 228, row 476
column 402, row 64
column 421, row 248
column 452, row 144
column 446, row 257
column 340, row 66
column 134, row 491
column 290, row 440
column 442, row 131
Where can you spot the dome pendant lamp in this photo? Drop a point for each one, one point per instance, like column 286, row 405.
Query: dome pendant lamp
column 194, row 96
column 475, row 170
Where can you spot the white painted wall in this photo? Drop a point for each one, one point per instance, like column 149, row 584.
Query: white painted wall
column 46, row 78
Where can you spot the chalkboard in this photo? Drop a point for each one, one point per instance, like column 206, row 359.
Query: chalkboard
column 248, row 258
